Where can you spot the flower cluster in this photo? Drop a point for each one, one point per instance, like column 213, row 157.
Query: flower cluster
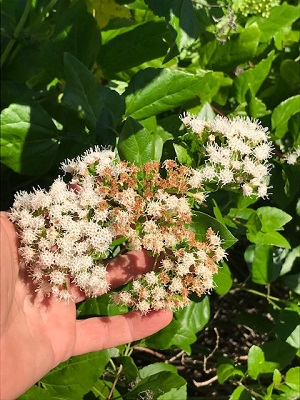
column 236, row 153
column 256, row 7
column 292, row 157
column 68, row 232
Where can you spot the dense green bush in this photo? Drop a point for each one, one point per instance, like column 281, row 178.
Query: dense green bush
column 80, row 73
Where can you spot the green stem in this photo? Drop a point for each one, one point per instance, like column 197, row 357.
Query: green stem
column 267, row 296
column 17, row 32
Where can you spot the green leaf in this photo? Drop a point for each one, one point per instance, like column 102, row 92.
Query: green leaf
column 279, row 22
column 253, row 78
column 277, row 377
column 288, row 327
column 195, row 316
column 156, row 384
column 183, row 154
column 192, row 320
column 201, row 222
column 272, row 218
column 226, row 370
column 83, row 95
column 36, row 392
column 292, row 282
column 257, row 322
column 282, row 114
column 155, row 368
column 183, row 24
column 269, row 239
column 137, row 144
column 129, row 49
column 223, row 280
column 99, row 306
column 255, row 108
column 207, row 112
column 263, row 269
column 181, row 332
column 262, row 225
column 129, row 369
column 278, row 354
column 175, row 394
column 153, row 91
column 69, row 28
column 29, row 139
column 163, row 339
column 239, row 49
column 75, row 377
column 256, row 360
column 240, row 393
column 292, row 378
column 289, row 70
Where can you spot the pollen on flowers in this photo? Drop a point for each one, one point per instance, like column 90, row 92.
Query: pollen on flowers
column 67, row 233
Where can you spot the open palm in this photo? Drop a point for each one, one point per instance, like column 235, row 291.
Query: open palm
column 37, row 332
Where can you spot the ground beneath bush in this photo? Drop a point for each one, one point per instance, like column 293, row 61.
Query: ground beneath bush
column 223, row 336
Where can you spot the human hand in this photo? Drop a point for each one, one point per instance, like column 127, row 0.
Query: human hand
column 38, row 333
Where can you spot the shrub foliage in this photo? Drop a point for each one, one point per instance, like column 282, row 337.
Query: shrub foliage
column 117, row 74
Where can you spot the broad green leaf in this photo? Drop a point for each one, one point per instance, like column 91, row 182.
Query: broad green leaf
column 107, row 10
column 129, row 369
column 262, row 227
column 70, row 28
column 183, row 23
column 292, row 378
column 82, row 93
column 206, row 113
column 263, row 269
column 103, row 388
column 253, row 77
column 239, row 49
column 256, row 360
column 195, row 316
column 153, row 91
column 201, row 222
column 240, row 393
column 223, row 280
column 75, row 377
column 257, row 322
column 278, row 354
column 129, row 49
column 175, row 394
column 288, row 327
column 156, row 384
column 292, row 282
column 192, row 320
column 279, row 22
column 266, row 359
column 155, row 368
column 163, row 339
column 272, row 218
column 282, row 114
column 36, row 392
column 181, row 332
column 286, row 179
column 255, row 108
column 226, row 370
column 182, row 153
column 269, row 239
column 29, row 139
column 291, row 260
column 137, row 144
column 289, row 70
column 277, row 377
column 99, row 306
